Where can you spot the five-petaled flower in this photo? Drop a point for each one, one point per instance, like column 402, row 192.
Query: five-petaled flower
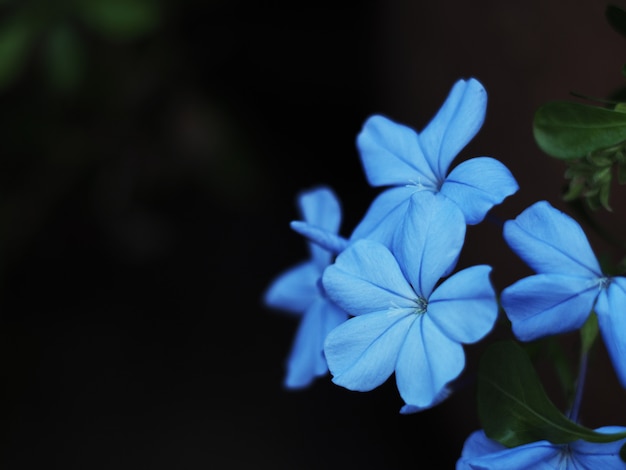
column 397, row 157
column 403, row 321
column 481, row 453
column 298, row 290
column 568, row 286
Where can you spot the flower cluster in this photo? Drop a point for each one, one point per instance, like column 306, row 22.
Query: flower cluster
column 388, row 299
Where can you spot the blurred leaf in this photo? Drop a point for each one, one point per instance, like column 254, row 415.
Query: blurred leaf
column 616, row 18
column 64, row 57
column 572, row 130
column 513, row 406
column 604, row 196
column 121, row 20
column 15, row 39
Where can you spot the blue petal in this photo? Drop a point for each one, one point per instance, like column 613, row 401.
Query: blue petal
column 547, row 304
column 612, row 324
column 550, row 241
column 320, row 208
column 295, row 289
column 591, row 455
column 427, row 362
column 441, row 396
column 329, row 241
column 391, row 154
column 478, row 184
column 478, row 444
column 481, row 453
column 429, row 240
column 306, row 360
column 464, row 306
column 366, row 278
column 384, row 215
column 455, row 125
column 362, row 352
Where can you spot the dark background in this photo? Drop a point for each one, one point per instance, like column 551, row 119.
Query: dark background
column 145, row 194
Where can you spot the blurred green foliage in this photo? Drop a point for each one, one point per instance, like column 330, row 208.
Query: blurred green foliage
column 108, row 96
column 58, row 26
column 120, row 20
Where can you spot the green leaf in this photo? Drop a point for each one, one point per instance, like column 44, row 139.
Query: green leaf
column 121, row 20
column 572, row 130
column 513, row 406
column 562, row 367
column 616, row 18
column 552, row 348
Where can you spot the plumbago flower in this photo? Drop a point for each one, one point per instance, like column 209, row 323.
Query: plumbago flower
column 403, row 322
column 406, row 162
column 481, row 453
column 298, row 290
column 396, row 156
column 569, row 283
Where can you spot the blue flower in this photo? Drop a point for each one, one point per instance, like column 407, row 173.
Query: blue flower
column 396, row 156
column 298, row 290
column 404, row 322
column 481, row 453
column 569, row 283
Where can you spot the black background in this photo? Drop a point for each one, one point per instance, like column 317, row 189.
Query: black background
column 144, row 214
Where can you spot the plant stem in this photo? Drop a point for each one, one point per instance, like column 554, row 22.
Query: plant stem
column 580, row 385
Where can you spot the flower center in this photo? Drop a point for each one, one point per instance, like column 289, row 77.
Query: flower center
column 421, row 304
column 604, row 282
column 565, row 458
column 419, row 185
